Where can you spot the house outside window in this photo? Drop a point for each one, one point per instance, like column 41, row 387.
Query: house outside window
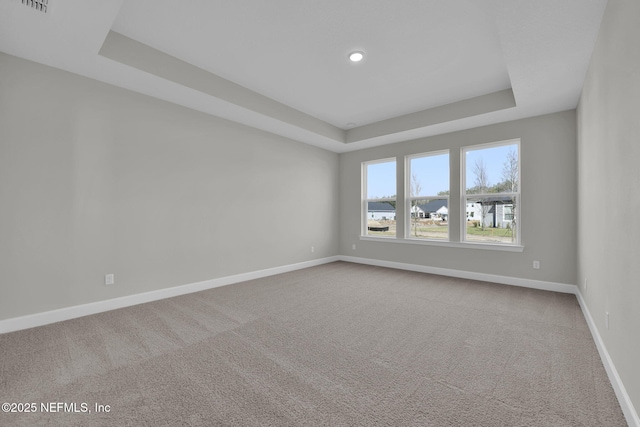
column 491, row 193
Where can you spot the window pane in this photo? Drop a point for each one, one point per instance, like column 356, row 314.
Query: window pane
column 430, row 175
column 429, row 219
column 492, row 170
column 381, row 219
column 491, row 219
column 381, row 180
column 507, row 213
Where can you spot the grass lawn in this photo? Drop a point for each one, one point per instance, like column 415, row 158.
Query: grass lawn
column 501, row 235
column 431, row 231
column 440, row 232
column 498, row 232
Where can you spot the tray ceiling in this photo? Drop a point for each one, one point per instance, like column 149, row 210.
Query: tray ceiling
column 430, row 66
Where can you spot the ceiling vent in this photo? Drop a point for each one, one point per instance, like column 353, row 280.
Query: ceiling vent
column 40, row 5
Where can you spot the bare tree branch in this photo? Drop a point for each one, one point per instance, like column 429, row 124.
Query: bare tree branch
column 510, row 171
column 482, row 177
column 416, row 189
column 482, row 184
column 510, row 175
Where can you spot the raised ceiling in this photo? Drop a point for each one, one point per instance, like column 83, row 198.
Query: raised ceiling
column 430, row 66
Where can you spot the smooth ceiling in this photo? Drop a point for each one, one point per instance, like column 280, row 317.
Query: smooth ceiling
column 430, row 67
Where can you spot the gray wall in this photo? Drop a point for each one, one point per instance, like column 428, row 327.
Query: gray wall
column 95, row 179
column 548, row 173
column 609, row 189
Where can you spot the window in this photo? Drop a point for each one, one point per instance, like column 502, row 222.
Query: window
column 427, row 196
column 491, row 177
column 486, row 213
column 379, row 198
column 507, row 213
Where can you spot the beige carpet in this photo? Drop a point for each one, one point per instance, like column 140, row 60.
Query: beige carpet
column 337, row 345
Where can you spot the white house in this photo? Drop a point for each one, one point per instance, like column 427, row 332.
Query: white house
column 498, row 211
column 435, row 209
column 381, row 211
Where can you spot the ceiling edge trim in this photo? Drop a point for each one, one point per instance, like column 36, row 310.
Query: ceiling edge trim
column 264, row 110
column 127, row 51
column 483, row 104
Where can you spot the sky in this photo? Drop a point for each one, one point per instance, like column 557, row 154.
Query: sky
column 493, row 158
column 433, row 172
column 381, row 180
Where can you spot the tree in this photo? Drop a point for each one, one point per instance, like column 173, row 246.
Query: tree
column 482, row 176
column 482, row 185
column 510, row 171
column 416, row 189
column 510, row 174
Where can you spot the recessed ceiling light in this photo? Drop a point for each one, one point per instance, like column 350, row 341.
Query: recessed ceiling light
column 356, row 56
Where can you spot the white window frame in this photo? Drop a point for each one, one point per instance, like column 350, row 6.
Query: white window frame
column 515, row 195
column 408, row 198
column 364, row 231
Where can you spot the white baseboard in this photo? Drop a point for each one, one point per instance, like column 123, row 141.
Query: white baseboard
column 505, row 280
column 628, row 409
column 66, row 313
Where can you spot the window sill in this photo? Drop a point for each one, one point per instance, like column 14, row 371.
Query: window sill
column 447, row 244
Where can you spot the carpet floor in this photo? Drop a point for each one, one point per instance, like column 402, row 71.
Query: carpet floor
column 340, row 344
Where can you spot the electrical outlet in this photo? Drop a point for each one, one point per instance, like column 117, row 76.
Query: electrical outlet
column 606, row 319
column 585, row 284
column 313, row 249
column 536, row 265
column 353, row 247
column 109, row 279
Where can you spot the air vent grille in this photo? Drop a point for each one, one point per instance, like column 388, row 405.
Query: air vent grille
column 40, row 5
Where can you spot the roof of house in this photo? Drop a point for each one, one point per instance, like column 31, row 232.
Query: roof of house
column 434, row 205
column 380, row 207
column 493, row 199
